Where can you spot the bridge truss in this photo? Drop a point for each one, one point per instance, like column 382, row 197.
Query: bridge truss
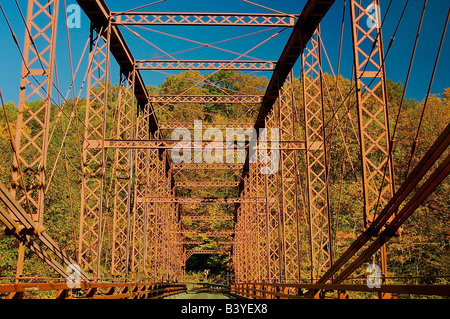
column 131, row 186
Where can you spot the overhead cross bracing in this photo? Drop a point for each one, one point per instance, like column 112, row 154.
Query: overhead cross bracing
column 267, row 207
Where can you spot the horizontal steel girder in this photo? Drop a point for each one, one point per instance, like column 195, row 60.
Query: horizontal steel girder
column 204, row 19
column 274, row 289
column 227, row 99
column 95, row 290
column 201, row 200
column 205, row 65
column 201, row 242
column 207, row 166
column 166, row 144
column 205, row 125
column 206, row 184
column 206, row 217
column 196, row 233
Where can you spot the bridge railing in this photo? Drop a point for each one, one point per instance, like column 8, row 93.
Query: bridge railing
column 104, row 290
column 301, row 291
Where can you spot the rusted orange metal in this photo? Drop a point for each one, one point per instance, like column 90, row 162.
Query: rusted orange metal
column 144, row 238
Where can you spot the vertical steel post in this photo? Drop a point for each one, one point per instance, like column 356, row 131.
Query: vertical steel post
column 94, row 154
column 122, row 174
column 316, row 159
column 33, row 119
column 373, row 116
column 273, row 213
column 288, row 174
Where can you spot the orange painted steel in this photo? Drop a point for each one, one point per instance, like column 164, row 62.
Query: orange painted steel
column 134, row 217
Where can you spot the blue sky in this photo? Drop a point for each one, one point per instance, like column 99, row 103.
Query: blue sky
column 396, row 62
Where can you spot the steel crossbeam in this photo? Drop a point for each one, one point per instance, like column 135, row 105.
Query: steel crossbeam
column 205, row 125
column 207, row 166
column 196, row 233
column 199, row 200
column 204, row 19
column 206, row 184
column 205, row 65
column 170, row 144
column 206, row 217
column 198, row 99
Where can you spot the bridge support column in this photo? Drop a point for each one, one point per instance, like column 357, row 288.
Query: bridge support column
column 288, row 184
column 33, row 120
column 94, row 156
column 316, row 159
column 373, row 117
column 122, row 174
column 274, row 238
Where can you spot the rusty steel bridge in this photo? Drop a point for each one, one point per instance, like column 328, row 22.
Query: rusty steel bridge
column 274, row 214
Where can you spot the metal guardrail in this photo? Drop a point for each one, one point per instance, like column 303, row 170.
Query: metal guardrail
column 87, row 290
column 301, row 291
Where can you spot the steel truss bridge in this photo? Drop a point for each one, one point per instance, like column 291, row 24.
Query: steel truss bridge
column 148, row 245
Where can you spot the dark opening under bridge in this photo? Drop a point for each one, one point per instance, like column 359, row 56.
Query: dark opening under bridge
column 131, row 186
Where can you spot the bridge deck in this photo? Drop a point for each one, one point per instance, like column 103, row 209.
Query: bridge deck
column 199, row 295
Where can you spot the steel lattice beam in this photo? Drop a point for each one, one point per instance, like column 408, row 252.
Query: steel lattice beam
column 207, row 166
column 122, row 170
column 94, row 158
column 190, row 252
column 288, row 174
column 204, row 19
column 205, row 65
column 206, row 217
column 170, row 144
column 373, row 116
column 199, row 200
column 197, row 233
column 227, row 99
column 33, row 123
column 206, row 184
column 205, row 125
column 273, row 216
column 316, row 159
